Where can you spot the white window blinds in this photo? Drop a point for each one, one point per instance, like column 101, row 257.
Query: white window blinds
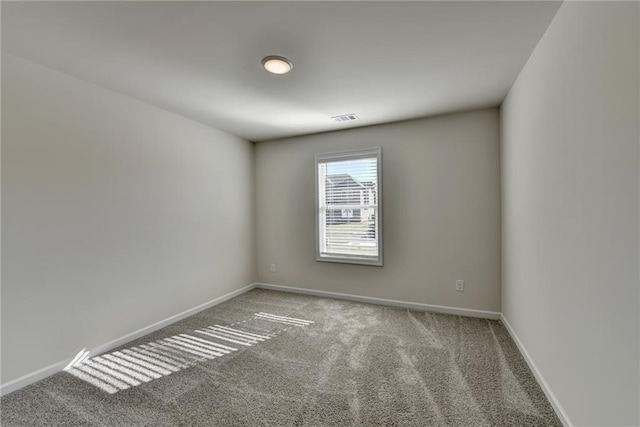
column 348, row 207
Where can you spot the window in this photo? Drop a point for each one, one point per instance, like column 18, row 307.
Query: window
column 348, row 207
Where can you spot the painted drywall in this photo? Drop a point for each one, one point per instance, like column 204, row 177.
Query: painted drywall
column 116, row 215
column 570, row 210
column 441, row 212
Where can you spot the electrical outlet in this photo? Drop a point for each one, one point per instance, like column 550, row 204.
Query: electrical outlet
column 460, row 285
column 272, row 268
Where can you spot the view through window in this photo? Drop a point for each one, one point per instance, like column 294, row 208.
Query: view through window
column 348, row 220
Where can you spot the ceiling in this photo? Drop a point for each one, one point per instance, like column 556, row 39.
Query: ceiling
column 383, row 61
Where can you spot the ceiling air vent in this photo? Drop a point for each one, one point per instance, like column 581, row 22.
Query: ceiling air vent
column 344, row 118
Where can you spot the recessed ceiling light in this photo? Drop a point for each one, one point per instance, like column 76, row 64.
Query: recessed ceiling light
column 277, row 64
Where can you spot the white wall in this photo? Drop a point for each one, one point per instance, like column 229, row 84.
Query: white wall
column 115, row 215
column 441, row 183
column 570, row 210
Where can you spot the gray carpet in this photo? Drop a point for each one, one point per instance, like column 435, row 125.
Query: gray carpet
column 265, row 363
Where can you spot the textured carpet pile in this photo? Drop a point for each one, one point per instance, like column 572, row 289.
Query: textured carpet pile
column 356, row 364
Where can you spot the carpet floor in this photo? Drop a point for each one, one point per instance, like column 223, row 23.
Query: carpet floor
column 269, row 358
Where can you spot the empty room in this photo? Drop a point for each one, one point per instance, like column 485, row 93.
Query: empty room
column 320, row 213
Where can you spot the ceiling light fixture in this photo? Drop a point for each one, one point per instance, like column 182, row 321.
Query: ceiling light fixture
column 277, row 64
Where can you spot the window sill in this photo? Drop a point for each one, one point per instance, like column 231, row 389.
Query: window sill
column 346, row 260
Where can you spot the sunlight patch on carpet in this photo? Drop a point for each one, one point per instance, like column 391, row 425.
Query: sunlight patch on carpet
column 126, row 368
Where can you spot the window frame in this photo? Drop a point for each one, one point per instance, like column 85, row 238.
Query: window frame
column 366, row 153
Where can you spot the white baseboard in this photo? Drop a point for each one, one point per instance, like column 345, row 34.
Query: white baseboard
column 43, row 373
column 381, row 301
column 33, row 377
column 560, row 412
